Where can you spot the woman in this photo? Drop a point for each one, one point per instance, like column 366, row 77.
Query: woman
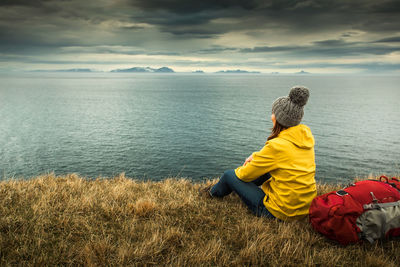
column 284, row 167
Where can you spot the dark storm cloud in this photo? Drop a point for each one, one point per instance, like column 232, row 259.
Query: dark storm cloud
column 301, row 15
column 188, row 32
column 328, row 48
column 162, row 17
column 21, row 2
column 266, row 49
column 395, row 39
column 113, row 50
column 160, row 27
column 197, row 18
column 188, row 7
column 216, row 50
column 25, row 24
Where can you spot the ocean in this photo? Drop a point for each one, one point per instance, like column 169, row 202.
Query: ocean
column 154, row 126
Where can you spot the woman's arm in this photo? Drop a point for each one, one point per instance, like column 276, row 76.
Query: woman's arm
column 258, row 163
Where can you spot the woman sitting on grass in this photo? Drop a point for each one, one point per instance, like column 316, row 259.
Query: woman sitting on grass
column 284, row 167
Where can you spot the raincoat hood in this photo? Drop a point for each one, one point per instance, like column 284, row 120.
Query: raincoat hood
column 300, row 135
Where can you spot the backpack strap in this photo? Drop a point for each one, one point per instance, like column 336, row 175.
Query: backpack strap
column 385, row 178
column 397, row 186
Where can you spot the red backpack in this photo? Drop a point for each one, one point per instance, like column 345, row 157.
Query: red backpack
column 364, row 210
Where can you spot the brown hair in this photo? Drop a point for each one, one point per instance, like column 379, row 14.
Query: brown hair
column 276, row 130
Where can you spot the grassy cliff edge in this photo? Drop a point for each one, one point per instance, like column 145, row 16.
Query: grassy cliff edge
column 70, row 220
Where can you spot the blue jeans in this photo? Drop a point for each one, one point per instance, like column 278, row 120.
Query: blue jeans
column 250, row 193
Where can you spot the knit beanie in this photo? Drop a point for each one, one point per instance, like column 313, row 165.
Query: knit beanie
column 289, row 110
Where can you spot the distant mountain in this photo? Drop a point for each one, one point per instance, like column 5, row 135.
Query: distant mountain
column 134, row 69
column 67, row 70
column 198, row 71
column 75, row 70
column 164, row 69
column 146, row 69
column 302, row 72
column 237, row 71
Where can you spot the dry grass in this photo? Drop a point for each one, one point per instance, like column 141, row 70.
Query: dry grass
column 74, row 221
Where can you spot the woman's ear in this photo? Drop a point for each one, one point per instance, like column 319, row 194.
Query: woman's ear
column 273, row 119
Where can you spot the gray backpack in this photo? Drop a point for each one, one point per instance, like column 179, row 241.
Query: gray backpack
column 379, row 220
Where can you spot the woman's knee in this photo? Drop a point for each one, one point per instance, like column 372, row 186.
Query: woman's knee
column 228, row 175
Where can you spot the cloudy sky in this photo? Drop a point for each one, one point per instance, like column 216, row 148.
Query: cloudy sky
column 268, row 36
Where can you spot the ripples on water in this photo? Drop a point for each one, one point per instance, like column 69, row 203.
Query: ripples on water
column 153, row 126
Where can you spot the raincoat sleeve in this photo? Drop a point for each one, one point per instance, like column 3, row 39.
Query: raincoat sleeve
column 263, row 161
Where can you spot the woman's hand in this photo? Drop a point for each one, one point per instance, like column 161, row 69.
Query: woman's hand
column 250, row 158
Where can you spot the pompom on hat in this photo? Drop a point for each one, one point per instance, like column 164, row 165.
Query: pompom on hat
column 289, row 110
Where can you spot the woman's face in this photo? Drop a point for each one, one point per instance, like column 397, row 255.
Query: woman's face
column 273, row 119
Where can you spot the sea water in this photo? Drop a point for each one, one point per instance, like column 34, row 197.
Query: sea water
column 154, row 126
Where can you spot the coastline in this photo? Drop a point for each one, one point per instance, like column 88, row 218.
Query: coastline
column 70, row 220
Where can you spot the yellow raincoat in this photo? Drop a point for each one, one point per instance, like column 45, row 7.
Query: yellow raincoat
column 290, row 160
